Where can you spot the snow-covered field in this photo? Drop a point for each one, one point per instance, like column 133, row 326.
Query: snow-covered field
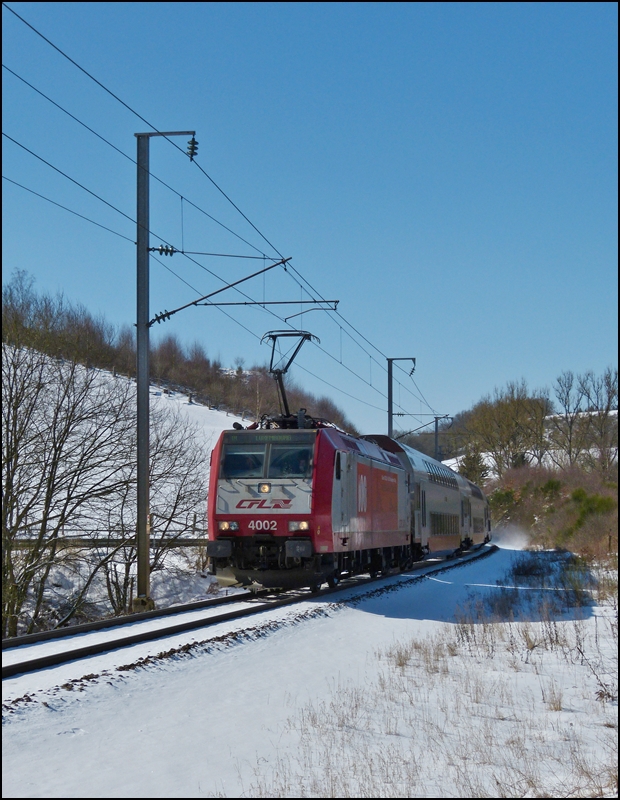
column 431, row 689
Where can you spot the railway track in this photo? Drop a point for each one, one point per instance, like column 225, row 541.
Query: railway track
column 38, row 651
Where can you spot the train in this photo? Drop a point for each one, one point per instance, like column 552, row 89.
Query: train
column 299, row 507
column 295, row 501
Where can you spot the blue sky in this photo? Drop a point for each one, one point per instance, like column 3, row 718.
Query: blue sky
column 448, row 172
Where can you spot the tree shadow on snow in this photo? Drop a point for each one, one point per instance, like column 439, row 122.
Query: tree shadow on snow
column 519, row 586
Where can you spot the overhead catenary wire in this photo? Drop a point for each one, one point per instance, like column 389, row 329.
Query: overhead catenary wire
column 361, row 335
column 118, row 210
column 176, row 275
column 143, row 119
column 64, row 174
column 133, row 161
column 70, row 210
column 98, row 197
column 233, row 319
column 94, row 194
column 256, row 336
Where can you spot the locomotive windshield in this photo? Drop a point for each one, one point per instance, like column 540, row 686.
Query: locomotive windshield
column 243, row 461
column 268, row 460
column 286, row 461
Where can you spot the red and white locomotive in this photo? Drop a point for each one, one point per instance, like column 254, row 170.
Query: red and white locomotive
column 290, row 507
column 298, row 502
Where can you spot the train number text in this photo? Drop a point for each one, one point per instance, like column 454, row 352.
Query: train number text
column 263, row 525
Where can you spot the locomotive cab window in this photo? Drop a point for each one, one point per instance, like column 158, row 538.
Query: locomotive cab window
column 243, row 461
column 287, row 461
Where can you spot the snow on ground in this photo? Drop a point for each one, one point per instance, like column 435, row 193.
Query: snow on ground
column 413, row 692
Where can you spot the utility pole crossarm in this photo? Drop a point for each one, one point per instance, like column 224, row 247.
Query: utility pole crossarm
column 167, row 314
column 166, row 133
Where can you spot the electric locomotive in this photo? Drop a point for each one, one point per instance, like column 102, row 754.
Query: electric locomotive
column 294, row 501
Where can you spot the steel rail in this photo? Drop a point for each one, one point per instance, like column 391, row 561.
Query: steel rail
column 54, row 659
column 119, row 622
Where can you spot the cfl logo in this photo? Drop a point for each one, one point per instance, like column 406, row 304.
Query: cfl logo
column 362, row 494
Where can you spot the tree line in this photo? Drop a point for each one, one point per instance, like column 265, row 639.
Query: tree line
column 59, row 328
column 575, row 423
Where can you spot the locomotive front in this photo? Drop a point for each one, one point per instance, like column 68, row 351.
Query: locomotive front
column 261, row 527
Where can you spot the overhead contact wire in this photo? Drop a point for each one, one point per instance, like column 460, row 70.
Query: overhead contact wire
column 116, row 233
column 143, row 119
column 133, row 161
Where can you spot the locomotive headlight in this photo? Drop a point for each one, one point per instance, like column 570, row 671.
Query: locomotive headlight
column 304, row 525
column 228, row 526
column 264, row 488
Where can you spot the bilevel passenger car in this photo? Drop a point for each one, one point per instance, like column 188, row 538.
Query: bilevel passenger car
column 296, row 507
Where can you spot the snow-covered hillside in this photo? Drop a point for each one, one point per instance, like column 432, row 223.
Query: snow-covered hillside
column 69, row 490
column 210, row 421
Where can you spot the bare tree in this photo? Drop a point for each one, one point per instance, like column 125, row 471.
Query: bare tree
column 68, row 465
column 601, row 395
column 64, row 453
column 567, row 428
column 179, row 461
column 533, row 422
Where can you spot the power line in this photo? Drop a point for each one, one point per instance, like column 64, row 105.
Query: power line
column 205, row 268
column 116, row 233
column 75, row 64
column 64, row 174
column 133, row 111
column 191, row 259
column 133, row 161
column 381, row 366
column 193, row 288
column 256, row 336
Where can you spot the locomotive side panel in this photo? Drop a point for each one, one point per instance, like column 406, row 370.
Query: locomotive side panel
column 344, row 495
column 370, row 504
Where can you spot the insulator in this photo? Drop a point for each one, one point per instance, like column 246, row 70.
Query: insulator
column 192, row 148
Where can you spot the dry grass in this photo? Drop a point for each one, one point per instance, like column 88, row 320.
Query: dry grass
column 445, row 718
